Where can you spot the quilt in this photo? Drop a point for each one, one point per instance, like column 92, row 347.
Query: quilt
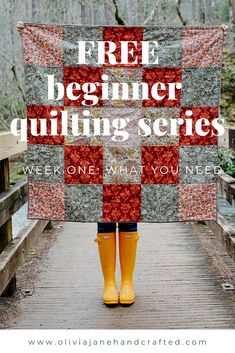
column 122, row 122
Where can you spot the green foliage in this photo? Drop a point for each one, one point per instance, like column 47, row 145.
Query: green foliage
column 16, row 176
column 16, row 170
column 10, row 108
column 228, row 87
column 227, row 161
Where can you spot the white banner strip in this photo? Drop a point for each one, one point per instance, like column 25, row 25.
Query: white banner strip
column 69, row 341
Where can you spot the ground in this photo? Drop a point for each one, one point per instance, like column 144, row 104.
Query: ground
column 178, row 276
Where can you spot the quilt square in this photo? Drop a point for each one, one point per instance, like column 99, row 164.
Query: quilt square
column 72, row 35
column 121, row 203
column 37, row 112
column 127, row 135
column 46, row 163
column 160, row 203
column 83, row 75
column 197, row 202
column 125, row 77
column 201, row 87
column 159, row 122
column 122, row 165
column 118, row 34
column 42, row 45
column 160, row 165
column 170, row 45
column 83, row 164
column 83, row 203
column 202, row 47
column 36, row 82
column 79, row 136
column 198, row 163
column 162, row 76
column 46, row 201
column 209, row 113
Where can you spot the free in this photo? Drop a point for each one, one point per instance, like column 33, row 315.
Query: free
column 106, row 50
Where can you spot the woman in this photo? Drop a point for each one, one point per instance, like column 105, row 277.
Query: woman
column 106, row 239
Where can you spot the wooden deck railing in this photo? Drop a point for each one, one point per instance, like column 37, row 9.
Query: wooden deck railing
column 226, row 190
column 12, row 198
column 225, row 231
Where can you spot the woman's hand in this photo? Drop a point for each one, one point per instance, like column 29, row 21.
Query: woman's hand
column 20, row 27
column 225, row 29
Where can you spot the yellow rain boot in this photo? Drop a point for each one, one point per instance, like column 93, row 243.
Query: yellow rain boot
column 107, row 252
column 127, row 255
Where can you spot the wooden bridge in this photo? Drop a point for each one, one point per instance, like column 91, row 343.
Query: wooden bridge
column 50, row 277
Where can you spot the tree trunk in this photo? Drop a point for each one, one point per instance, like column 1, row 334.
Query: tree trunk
column 202, row 11
column 34, row 9
column 208, row 5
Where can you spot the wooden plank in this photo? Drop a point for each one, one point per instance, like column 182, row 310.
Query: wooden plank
column 226, row 178
column 6, row 226
column 232, row 139
column 4, row 175
column 10, row 145
column 15, row 253
column 6, row 235
column 7, row 139
column 224, row 182
column 231, row 194
column 12, row 200
column 226, row 187
column 225, row 232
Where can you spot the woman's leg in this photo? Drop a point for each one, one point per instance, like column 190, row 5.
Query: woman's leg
column 106, row 227
column 127, row 227
column 106, row 239
column 128, row 237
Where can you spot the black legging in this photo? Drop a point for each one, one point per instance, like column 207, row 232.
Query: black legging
column 111, row 227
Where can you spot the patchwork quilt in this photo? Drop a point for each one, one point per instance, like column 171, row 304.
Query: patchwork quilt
column 161, row 172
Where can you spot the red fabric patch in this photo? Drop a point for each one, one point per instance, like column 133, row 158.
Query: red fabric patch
column 209, row 113
column 43, row 112
column 121, row 203
column 117, row 34
column 46, row 201
column 81, row 75
column 42, row 45
column 165, row 76
column 197, row 202
column 161, row 165
column 89, row 158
